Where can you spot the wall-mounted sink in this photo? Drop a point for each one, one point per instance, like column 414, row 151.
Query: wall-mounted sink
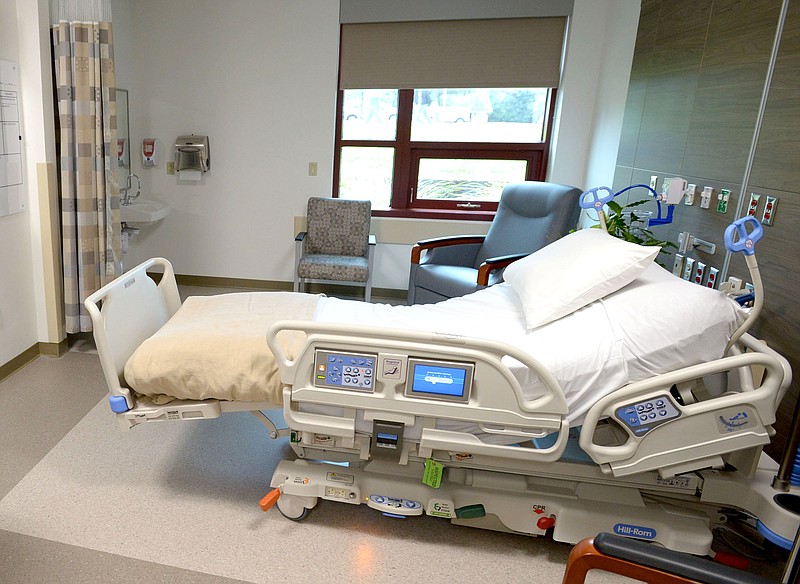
column 143, row 212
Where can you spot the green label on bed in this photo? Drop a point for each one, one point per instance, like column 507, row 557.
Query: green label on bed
column 433, row 473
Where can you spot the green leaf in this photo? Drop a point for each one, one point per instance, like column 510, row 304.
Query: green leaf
column 614, row 206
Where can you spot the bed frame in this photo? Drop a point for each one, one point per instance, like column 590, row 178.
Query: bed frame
column 670, row 483
column 671, row 480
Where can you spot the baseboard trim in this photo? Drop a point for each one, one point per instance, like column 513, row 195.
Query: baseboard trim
column 19, row 361
column 338, row 289
column 29, row 354
column 54, row 349
column 222, row 282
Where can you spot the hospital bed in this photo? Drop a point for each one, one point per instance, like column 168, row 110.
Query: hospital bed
column 641, row 412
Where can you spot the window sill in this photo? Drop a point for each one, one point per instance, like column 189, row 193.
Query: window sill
column 435, row 214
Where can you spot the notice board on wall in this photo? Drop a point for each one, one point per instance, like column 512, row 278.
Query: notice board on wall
column 12, row 194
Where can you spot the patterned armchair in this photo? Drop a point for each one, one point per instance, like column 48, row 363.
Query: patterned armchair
column 529, row 216
column 336, row 245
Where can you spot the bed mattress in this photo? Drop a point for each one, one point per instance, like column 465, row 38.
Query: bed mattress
column 215, row 347
column 654, row 325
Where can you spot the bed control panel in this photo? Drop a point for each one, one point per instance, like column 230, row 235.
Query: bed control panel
column 353, row 371
column 392, row 507
column 641, row 417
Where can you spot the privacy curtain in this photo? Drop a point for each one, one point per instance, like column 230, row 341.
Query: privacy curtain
column 87, row 137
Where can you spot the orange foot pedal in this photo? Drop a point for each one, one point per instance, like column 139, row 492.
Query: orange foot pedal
column 270, row 499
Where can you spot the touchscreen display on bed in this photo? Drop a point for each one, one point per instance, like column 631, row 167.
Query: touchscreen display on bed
column 440, row 380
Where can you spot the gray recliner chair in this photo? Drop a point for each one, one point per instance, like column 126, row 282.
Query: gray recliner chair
column 529, row 216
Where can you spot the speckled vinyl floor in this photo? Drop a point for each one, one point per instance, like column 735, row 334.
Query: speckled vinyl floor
column 169, row 502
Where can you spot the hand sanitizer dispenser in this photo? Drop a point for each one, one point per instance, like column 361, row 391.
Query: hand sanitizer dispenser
column 122, row 152
column 150, row 152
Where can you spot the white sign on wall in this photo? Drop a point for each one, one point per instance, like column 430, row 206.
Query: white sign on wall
column 12, row 195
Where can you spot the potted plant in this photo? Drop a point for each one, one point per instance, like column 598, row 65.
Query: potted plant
column 625, row 224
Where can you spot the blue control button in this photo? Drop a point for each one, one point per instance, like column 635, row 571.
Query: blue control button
column 646, row 415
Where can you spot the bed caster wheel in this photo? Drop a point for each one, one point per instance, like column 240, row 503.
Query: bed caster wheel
column 294, row 507
column 303, row 514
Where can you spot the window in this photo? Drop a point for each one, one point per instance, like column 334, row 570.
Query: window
column 439, row 151
column 436, row 116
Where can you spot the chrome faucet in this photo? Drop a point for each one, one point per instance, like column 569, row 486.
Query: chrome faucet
column 125, row 192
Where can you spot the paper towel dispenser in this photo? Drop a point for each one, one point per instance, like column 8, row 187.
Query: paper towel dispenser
column 192, row 153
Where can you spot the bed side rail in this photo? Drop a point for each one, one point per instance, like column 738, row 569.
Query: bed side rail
column 124, row 313
column 654, row 430
column 493, row 400
column 759, row 346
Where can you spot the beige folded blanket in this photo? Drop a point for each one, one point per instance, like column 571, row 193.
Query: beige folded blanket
column 216, row 347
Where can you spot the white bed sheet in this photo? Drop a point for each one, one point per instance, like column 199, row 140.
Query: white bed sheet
column 656, row 324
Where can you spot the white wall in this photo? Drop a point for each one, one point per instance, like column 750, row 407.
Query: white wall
column 593, row 91
column 17, row 309
column 259, row 78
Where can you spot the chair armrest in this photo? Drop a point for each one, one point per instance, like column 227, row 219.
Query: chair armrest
column 498, row 263
column 300, row 236
column 416, row 251
column 683, row 565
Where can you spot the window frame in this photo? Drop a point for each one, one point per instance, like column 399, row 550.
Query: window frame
column 407, row 155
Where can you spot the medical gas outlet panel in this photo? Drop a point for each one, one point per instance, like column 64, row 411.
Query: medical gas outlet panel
column 421, row 378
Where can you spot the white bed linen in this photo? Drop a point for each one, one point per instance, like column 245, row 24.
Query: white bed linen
column 656, row 324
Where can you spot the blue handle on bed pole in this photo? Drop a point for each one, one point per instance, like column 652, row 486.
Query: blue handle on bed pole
column 118, row 404
column 597, row 200
column 747, row 241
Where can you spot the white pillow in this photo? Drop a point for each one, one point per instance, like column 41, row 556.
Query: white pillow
column 573, row 271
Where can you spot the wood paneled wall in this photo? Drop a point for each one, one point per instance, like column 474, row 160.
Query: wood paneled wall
column 696, row 82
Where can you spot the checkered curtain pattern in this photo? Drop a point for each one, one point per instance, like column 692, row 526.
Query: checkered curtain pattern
column 88, row 182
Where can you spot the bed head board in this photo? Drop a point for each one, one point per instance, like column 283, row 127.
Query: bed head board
column 127, row 311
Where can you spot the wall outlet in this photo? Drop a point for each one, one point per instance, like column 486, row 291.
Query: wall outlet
column 653, row 181
column 769, row 210
column 752, row 206
column 171, row 167
column 699, row 273
column 705, row 197
column 691, row 190
column 677, row 267
column 713, row 274
column 688, row 269
column 722, row 200
column 312, row 169
column 735, row 284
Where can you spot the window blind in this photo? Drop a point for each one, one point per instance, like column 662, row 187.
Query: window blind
column 504, row 52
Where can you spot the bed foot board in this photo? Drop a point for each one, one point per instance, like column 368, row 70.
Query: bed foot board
column 183, row 410
column 174, row 411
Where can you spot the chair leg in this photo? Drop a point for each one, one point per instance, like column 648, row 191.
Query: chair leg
column 370, row 271
column 412, row 288
column 368, row 287
column 298, row 253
